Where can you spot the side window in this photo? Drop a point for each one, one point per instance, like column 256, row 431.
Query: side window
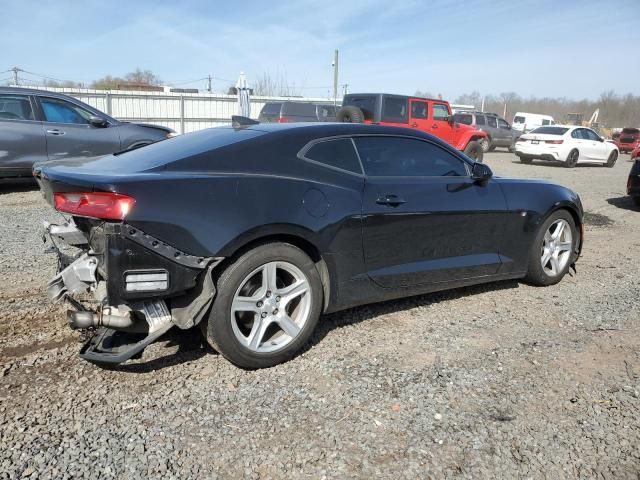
column 464, row 118
column 591, row 134
column 59, row 111
column 440, row 112
column 503, row 124
column 546, row 122
column 576, row 134
column 406, row 157
column 492, row 122
column 480, row 120
column 419, row 110
column 518, row 120
column 15, row 107
column 394, row 109
column 337, row 153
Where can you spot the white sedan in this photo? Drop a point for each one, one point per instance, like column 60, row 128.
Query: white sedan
column 566, row 143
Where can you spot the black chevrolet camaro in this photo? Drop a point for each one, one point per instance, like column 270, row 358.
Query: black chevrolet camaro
column 253, row 232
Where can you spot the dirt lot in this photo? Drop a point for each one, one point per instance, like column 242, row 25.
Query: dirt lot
column 503, row 380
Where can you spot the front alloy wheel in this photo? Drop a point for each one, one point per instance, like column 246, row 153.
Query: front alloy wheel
column 556, row 248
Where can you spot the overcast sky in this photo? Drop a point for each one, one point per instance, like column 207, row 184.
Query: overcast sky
column 546, row 48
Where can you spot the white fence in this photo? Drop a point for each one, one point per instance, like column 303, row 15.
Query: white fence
column 183, row 112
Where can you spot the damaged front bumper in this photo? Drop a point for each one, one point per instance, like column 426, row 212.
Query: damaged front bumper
column 137, row 286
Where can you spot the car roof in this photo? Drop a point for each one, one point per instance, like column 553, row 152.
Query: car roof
column 335, row 129
column 30, row 91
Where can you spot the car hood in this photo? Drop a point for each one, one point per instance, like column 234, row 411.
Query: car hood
column 151, row 125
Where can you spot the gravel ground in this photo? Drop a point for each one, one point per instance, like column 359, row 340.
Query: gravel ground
column 502, row 380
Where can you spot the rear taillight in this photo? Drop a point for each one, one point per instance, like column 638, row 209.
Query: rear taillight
column 283, row 120
column 102, row 205
column 554, row 142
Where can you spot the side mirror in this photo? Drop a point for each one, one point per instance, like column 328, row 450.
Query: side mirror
column 97, row 122
column 481, row 173
column 449, row 119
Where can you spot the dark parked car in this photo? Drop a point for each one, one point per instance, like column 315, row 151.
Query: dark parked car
column 290, row 112
column 254, row 232
column 633, row 183
column 499, row 132
column 37, row 125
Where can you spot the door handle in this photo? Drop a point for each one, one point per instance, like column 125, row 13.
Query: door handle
column 434, row 126
column 391, row 200
column 55, row 131
column 414, row 124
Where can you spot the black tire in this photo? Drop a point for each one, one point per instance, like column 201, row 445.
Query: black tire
column 526, row 160
column 492, row 147
column 474, row 150
column 572, row 158
column 218, row 328
column 636, row 200
column 536, row 274
column 613, row 157
column 350, row 114
column 512, row 149
column 485, row 143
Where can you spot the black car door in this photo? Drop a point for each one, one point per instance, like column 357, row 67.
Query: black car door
column 22, row 140
column 69, row 133
column 424, row 219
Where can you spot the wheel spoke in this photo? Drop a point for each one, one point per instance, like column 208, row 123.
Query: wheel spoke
column 558, row 231
column 555, row 266
column 288, row 325
column 564, row 246
column 547, row 237
column 244, row 304
column 546, row 257
column 257, row 332
column 292, row 291
column 269, row 275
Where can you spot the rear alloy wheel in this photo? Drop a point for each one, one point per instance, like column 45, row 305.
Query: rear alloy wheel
column 526, row 160
column 485, row 144
column 552, row 250
column 474, row 150
column 613, row 157
column 268, row 303
column 572, row 158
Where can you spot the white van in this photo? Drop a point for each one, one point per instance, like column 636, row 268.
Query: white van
column 525, row 122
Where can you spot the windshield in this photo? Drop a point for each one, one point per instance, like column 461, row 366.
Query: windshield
column 550, row 130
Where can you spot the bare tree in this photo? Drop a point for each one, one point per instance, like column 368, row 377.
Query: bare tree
column 136, row 78
column 270, row 86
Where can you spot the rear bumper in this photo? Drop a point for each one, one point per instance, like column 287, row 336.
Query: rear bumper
column 550, row 152
column 141, row 287
column 627, row 147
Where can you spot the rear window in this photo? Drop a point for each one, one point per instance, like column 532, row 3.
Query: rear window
column 338, row 153
column 394, row 109
column 464, row 118
column 301, row 109
column 630, row 131
column 518, row 119
column 326, row 111
column 15, row 107
column 366, row 103
column 271, row 108
column 550, row 130
column 174, row 149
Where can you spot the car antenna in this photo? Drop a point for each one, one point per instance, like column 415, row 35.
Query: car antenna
column 238, row 121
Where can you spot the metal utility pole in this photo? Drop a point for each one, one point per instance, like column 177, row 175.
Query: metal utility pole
column 15, row 75
column 345, row 87
column 335, row 78
column 209, row 84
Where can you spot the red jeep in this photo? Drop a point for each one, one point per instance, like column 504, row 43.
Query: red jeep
column 628, row 140
column 428, row 115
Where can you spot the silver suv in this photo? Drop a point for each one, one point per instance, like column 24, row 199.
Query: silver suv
column 500, row 133
column 37, row 125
